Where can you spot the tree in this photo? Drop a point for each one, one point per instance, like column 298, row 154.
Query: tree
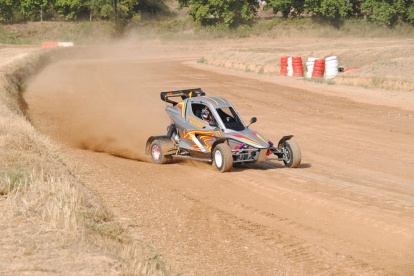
column 30, row 8
column 69, row 9
column 329, row 8
column 95, row 6
column 152, row 6
column 125, row 8
column 286, row 7
column 7, row 9
column 122, row 9
column 227, row 12
column 409, row 13
column 382, row 12
column 389, row 12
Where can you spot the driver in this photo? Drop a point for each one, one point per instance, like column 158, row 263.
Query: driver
column 206, row 115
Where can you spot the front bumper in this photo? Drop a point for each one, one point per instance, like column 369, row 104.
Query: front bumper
column 258, row 155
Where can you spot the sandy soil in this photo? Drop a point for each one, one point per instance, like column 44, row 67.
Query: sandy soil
column 9, row 54
column 347, row 210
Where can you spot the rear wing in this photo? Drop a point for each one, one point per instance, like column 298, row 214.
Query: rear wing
column 184, row 94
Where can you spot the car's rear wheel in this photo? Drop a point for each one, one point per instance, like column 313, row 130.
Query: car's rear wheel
column 222, row 158
column 157, row 155
column 292, row 154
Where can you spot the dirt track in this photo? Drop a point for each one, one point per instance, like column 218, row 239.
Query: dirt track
column 348, row 209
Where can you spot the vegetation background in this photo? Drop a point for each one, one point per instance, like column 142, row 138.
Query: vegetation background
column 209, row 12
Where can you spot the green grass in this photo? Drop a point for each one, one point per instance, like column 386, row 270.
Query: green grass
column 202, row 60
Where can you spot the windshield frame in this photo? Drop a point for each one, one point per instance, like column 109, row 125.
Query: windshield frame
column 234, row 114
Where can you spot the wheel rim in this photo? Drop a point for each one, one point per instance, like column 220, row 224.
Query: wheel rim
column 218, row 158
column 287, row 155
column 156, row 152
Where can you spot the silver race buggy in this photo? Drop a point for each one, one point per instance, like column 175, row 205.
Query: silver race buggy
column 210, row 129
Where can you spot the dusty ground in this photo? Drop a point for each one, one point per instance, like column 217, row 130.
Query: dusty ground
column 348, row 209
column 9, row 53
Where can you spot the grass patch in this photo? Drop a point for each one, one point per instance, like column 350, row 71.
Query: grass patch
column 12, row 178
column 316, row 80
column 202, row 60
column 177, row 28
column 184, row 28
column 34, row 33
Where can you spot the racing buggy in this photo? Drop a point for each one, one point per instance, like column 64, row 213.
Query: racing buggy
column 210, row 129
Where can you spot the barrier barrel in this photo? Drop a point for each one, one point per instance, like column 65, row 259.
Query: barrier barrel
column 283, row 66
column 331, row 67
column 309, row 65
column 297, row 66
column 318, row 69
column 50, row 44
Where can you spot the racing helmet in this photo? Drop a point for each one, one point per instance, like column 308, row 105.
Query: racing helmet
column 205, row 113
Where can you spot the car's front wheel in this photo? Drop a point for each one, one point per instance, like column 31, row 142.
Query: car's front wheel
column 222, row 158
column 292, row 154
column 157, row 155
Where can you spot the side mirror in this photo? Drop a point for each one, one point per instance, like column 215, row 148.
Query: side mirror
column 252, row 121
column 212, row 123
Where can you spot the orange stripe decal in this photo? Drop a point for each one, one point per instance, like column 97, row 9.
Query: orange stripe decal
column 211, row 99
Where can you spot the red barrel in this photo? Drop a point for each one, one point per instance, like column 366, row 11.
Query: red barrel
column 283, row 66
column 50, row 44
column 297, row 66
column 318, row 68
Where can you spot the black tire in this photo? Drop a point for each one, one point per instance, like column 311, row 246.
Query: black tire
column 292, row 153
column 157, row 155
column 222, row 158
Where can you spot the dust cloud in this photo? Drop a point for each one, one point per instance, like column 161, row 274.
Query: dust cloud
column 108, row 103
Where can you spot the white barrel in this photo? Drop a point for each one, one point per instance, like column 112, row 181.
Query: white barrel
column 289, row 67
column 331, row 64
column 331, row 70
column 309, row 64
column 331, row 67
column 65, row 44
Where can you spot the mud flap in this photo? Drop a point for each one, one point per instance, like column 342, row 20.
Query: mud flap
column 166, row 144
column 282, row 141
